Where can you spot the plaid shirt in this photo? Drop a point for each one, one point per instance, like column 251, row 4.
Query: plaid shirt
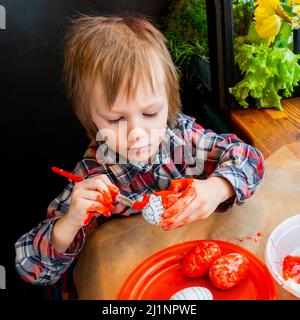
column 223, row 155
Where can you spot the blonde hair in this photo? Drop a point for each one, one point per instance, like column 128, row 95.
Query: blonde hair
column 105, row 48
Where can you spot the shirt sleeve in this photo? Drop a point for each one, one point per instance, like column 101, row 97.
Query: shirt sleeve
column 37, row 261
column 227, row 156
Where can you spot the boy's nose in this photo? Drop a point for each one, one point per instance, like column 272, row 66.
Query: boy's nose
column 136, row 137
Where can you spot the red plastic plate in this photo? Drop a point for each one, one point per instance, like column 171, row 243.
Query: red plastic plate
column 159, row 277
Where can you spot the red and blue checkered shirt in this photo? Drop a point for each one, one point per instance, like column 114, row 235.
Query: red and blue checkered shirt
column 223, row 155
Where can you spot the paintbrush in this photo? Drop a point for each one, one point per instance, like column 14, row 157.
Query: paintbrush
column 75, row 178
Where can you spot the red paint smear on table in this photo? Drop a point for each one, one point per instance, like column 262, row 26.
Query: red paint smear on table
column 254, row 239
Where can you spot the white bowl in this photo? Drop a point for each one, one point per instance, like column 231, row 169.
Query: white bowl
column 284, row 240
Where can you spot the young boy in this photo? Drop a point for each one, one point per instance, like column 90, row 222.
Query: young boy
column 124, row 88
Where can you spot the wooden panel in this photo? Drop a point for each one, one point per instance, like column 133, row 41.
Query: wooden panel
column 268, row 129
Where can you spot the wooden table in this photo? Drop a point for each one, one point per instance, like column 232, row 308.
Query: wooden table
column 116, row 248
column 269, row 129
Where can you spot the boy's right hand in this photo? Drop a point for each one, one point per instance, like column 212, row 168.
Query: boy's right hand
column 90, row 197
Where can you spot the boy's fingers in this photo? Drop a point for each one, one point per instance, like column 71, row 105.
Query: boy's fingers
column 174, row 185
column 100, row 198
column 92, row 195
column 96, row 183
column 105, row 179
column 180, row 204
column 100, row 208
column 102, row 184
column 114, row 190
column 180, row 184
column 183, row 223
column 105, row 191
column 187, row 190
column 181, row 216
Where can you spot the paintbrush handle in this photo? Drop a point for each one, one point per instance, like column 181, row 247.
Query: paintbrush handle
column 67, row 174
column 124, row 200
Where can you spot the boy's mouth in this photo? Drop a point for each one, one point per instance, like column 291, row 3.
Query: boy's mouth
column 138, row 148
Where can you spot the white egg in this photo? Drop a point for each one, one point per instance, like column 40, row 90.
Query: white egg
column 153, row 210
column 193, row 293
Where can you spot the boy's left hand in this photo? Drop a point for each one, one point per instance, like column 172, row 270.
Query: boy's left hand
column 199, row 200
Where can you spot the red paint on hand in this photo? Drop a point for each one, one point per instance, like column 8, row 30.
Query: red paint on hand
column 88, row 218
column 100, row 208
column 291, row 268
column 107, row 196
column 168, row 197
column 188, row 194
column 178, row 185
column 197, row 262
column 114, row 190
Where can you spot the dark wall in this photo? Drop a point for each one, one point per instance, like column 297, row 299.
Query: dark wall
column 38, row 127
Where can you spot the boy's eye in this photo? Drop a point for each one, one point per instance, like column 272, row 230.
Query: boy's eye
column 150, row 114
column 145, row 114
column 115, row 120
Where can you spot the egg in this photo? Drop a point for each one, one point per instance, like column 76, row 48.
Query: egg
column 153, row 210
column 229, row 270
column 193, row 293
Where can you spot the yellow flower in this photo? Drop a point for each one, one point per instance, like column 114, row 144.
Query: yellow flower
column 269, row 28
column 268, row 15
column 294, row 1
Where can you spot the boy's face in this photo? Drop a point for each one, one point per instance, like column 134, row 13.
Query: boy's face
column 133, row 128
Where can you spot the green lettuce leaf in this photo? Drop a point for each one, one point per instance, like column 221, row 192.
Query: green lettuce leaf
column 270, row 73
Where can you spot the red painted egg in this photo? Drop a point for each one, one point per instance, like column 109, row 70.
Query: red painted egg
column 168, row 197
column 229, row 270
column 197, row 262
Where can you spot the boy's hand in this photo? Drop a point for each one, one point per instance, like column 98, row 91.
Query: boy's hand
column 199, row 199
column 91, row 197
